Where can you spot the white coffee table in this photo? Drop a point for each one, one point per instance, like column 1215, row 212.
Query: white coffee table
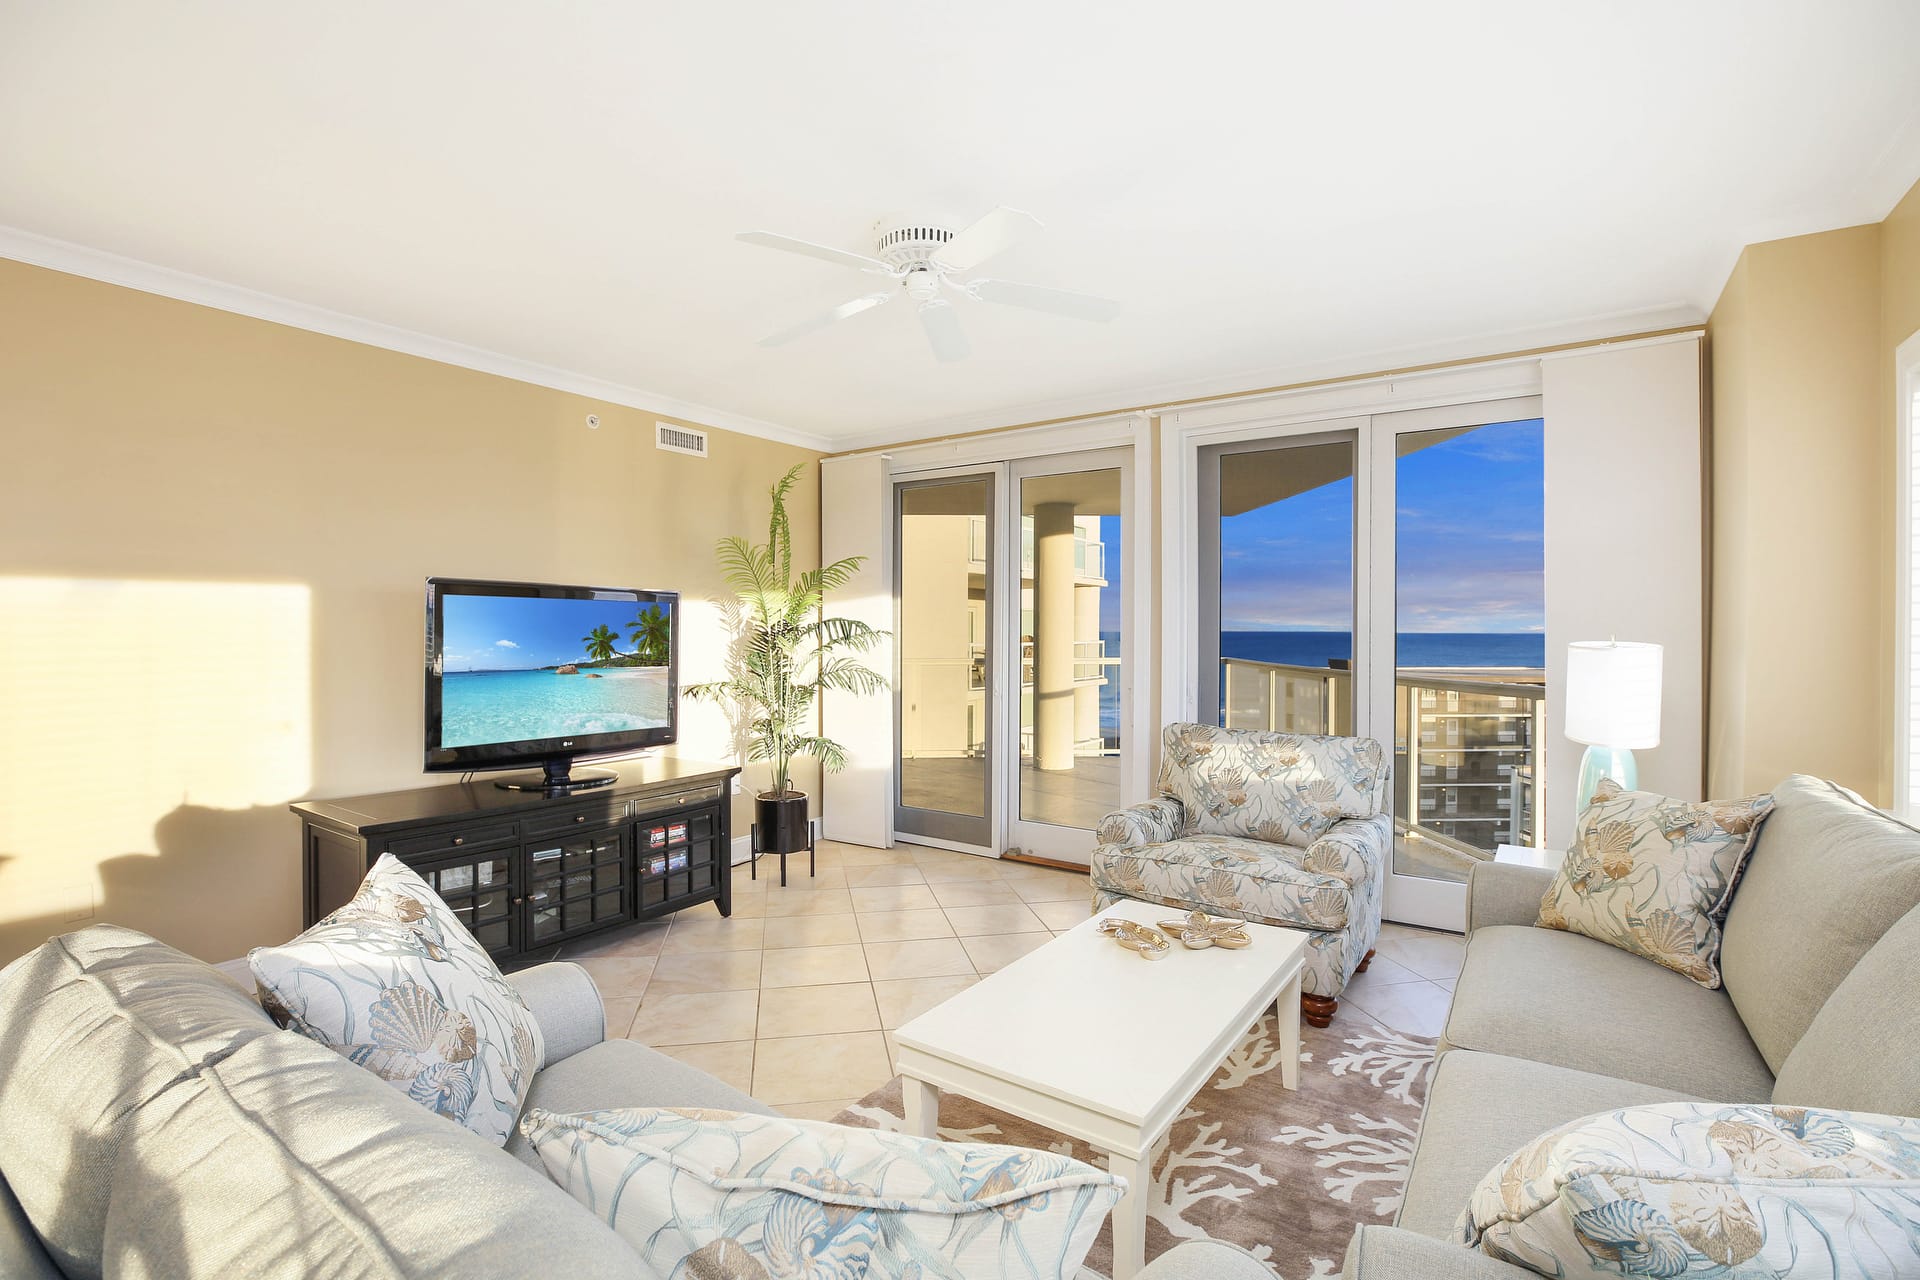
column 1091, row 1040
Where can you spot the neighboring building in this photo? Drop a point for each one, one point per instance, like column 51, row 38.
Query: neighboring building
column 1466, row 743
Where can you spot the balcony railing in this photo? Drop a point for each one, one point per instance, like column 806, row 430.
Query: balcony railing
column 1467, row 748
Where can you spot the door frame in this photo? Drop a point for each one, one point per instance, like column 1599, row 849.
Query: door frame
column 1378, row 410
column 997, row 453
column 1042, row 839
column 959, row 826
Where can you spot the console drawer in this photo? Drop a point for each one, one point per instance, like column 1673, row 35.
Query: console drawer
column 676, row 800
column 574, row 819
column 477, row 837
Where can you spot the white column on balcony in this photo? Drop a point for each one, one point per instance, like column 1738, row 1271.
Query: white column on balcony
column 1053, row 627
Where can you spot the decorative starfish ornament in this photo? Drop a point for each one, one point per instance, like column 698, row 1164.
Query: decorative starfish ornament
column 1199, row 930
column 1138, row 938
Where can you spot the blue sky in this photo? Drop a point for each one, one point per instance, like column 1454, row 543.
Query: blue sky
column 507, row 633
column 1110, row 594
column 1468, row 544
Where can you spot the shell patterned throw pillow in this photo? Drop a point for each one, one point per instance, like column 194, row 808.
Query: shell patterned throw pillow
column 394, row 982
column 1654, row 875
column 747, row 1197
column 1699, row 1189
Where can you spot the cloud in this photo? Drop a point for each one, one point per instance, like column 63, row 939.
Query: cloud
column 506, row 644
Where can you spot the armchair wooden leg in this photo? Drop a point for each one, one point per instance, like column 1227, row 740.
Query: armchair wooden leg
column 1317, row 1011
column 1365, row 960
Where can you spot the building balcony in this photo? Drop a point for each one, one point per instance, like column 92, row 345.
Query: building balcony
column 1467, row 749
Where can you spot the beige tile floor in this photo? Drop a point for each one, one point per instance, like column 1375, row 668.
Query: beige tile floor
column 794, row 998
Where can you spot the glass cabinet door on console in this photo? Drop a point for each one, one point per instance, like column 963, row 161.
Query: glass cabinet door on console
column 678, row 854
column 574, row 883
column 479, row 889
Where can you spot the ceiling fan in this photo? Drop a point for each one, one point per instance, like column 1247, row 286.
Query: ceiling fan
column 922, row 260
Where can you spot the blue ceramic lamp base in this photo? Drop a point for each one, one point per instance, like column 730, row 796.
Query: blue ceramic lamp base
column 1604, row 762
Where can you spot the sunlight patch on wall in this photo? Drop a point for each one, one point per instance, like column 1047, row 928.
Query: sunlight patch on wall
column 123, row 701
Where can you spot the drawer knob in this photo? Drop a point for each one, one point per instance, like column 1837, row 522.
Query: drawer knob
column 580, row 817
column 459, row 839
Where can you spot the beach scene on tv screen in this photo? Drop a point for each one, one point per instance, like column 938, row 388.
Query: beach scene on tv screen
column 513, row 668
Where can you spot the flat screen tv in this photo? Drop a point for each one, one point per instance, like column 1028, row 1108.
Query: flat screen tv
column 535, row 673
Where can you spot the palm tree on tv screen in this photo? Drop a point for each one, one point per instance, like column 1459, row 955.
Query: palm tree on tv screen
column 600, row 642
column 650, row 634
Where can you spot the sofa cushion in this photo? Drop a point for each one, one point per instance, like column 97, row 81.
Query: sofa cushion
column 1707, row 1188
column 201, row 1137
column 1285, row 788
column 1829, row 875
column 1480, row 1108
column 1862, row 1051
column 136, row 1014
column 1651, row 875
column 625, row 1073
column 22, row 1256
column 700, row 1193
column 283, row 1159
column 395, row 983
column 1568, row 1000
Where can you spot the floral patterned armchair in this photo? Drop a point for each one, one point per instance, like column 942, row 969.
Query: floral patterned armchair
column 1277, row 828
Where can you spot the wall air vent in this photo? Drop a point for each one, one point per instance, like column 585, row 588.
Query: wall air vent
column 679, row 439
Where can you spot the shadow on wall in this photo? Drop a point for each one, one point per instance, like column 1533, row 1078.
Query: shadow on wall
column 188, row 893
column 154, row 731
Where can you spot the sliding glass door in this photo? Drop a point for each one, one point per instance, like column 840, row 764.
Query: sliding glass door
column 1012, row 714
column 1069, row 711
column 1384, row 576
column 944, row 550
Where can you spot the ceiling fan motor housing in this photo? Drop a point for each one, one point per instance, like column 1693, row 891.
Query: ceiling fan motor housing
column 905, row 247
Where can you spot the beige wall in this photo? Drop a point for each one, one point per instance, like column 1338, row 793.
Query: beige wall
column 213, row 536
column 1801, row 344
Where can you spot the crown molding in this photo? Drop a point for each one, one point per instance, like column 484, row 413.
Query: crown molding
column 131, row 273
column 1259, row 382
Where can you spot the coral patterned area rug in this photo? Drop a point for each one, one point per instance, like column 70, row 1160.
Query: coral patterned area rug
column 1286, row 1174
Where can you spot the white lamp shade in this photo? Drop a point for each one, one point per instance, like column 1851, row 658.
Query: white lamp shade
column 1613, row 694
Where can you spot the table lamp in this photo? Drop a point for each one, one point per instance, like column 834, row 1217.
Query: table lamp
column 1613, row 705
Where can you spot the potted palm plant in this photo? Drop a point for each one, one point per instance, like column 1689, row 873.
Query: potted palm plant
column 786, row 654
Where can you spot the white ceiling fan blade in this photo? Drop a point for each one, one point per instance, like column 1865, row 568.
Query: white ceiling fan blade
column 1060, row 302
column 992, row 234
column 771, row 240
column 852, row 307
column 942, row 324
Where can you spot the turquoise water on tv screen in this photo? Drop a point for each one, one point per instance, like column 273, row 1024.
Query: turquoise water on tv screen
column 478, row 707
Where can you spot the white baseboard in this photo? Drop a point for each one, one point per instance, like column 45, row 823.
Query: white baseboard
column 742, row 849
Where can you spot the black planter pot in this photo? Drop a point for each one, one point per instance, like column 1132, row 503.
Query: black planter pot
column 780, row 822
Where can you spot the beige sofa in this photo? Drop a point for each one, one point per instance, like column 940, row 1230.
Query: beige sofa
column 1821, row 1008
column 155, row 1123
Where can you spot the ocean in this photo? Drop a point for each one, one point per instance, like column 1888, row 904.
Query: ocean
column 510, row 706
column 1415, row 648
column 1314, row 648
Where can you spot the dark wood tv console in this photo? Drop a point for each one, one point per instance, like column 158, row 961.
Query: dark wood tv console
column 526, row 871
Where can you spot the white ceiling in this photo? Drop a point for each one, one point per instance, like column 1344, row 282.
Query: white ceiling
column 1274, row 189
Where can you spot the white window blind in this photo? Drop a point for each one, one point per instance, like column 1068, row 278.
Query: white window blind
column 1907, row 676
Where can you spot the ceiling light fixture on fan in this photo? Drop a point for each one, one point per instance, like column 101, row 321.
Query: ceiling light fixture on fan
column 922, row 260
